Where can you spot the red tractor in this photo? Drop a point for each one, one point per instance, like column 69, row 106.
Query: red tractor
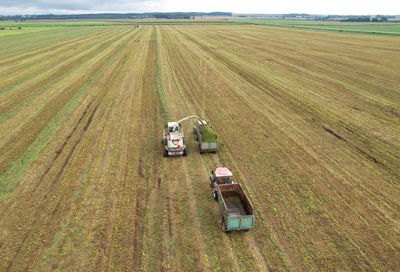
column 221, row 175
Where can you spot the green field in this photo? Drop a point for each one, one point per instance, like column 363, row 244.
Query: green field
column 355, row 27
column 386, row 28
column 60, row 23
column 16, row 31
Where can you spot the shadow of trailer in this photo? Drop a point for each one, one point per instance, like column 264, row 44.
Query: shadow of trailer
column 236, row 209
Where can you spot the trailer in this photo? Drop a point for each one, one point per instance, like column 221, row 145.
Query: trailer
column 236, row 209
column 204, row 146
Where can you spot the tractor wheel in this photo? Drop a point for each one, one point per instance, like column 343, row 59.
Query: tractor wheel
column 184, row 152
column 211, row 181
column 215, row 194
column 165, row 153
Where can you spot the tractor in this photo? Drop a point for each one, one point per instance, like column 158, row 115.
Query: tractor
column 221, row 175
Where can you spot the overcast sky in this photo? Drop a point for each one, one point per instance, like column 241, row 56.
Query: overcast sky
column 355, row 7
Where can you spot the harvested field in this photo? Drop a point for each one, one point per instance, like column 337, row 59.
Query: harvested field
column 310, row 126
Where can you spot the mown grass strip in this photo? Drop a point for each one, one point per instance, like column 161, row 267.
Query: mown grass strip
column 159, row 82
column 18, row 167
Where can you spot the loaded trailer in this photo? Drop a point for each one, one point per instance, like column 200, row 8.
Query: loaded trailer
column 207, row 138
column 236, row 209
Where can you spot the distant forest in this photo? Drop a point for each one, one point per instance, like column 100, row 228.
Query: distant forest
column 158, row 15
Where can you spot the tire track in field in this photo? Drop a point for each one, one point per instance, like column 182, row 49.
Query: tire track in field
column 179, row 208
column 114, row 80
column 10, row 99
column 127, row 218
column 45, row 82
column 21, row 107
column 84, row 129
column 95, row 75
column 22, row 59
column 29, row 52
column 224, row 98
column 204, row 207
column 295, row 102
column 189, row 88
column 22, row 70
column 193, row 93
column 57, row 176
column 143, row 177
column 160, row 233
column 20, row 141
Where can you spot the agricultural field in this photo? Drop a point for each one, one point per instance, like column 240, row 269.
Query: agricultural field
column 308, row 121
column 17, row 27
column 60, row 23
column 384, row 28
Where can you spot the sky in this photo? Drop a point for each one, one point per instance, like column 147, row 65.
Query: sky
column 345, row 7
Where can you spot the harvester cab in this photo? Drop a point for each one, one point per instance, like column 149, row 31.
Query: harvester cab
column 221, row 175
column 173, row 127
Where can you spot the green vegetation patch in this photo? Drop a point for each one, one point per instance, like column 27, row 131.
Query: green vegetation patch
column 5, row 31
column 385, row 28
column 60, row 23
column 208, row 134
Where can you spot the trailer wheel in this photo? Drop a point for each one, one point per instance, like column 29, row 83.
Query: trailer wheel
column 165, row 153
column 215, row 194
column 223, row 225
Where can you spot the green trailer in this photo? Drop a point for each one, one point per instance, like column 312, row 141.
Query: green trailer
column 236, row 209
column 208, row 143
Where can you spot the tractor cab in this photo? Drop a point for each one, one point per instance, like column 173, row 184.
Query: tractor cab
column 221, row 175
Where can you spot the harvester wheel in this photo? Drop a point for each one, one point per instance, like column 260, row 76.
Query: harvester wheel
column 165, row 153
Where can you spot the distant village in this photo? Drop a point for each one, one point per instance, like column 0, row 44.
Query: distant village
column 197, row 15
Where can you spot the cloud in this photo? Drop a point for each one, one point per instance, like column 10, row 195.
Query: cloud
column 78, row 6
column 9, row 7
